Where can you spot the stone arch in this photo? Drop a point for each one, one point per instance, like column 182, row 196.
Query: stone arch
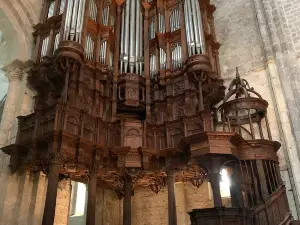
column 18, row 17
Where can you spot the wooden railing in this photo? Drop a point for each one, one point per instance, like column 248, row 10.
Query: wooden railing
column 274, row 210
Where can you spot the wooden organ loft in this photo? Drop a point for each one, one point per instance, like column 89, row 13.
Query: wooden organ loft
column 126, row 97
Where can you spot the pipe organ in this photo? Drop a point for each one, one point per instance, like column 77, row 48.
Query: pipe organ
column 176, row 30
column 127, row 92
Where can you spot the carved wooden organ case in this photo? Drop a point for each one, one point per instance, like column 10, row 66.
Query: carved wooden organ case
column 130, row 87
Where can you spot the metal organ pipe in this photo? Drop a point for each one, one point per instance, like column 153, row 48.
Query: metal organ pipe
column 131, row 38
column 62, row 6
column 188, row 35
column 126, row 43
column 199, row 18
column 89, row 48
column 190, row 27
column 44, row 47
column 74, row 20
column 51, row 9
column 56, row 42
column 161, row 23
column 80, row 21
column 194, row 29
column 163, row 58
column 122, row 42
column 196, row 26
column 137, row 36
column 152, row 65
column 141, row 43
column 175, row 20
column 132, row 46
column 93, row 10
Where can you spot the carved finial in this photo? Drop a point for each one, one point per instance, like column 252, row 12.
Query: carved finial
column 237, row 73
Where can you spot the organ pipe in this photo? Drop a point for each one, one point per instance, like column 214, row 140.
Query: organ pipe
column 194, row 30
column 89, row 47
column 105, row 15
column 44, row 47
column 103, row 48
column 161, row 23
column 152, row 29
column 51, row 9
column 74, row 20
column 62, row 6
column 176, row 56
column 131, row 54
column 175, row 20
column 152, row 65
column 132, row 41
column 163, row 59
column 56, row 42
column 93, row 10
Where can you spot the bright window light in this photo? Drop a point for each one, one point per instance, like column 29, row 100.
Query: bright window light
column 80, row 199
column 225, row 184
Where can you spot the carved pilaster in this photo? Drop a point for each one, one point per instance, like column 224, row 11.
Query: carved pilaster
column 14, row 74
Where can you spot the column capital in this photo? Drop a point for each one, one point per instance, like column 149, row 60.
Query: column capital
column 14, row 70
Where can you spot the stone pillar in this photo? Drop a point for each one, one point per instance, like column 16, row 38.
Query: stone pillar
column 171, row 198
column 63, row 202
column 91, row 204
column 215, row 185
column 50, row 203
column 127, row 202
column 14, row 72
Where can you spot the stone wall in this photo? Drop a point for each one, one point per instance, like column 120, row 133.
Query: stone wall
column 149, row 208
column 256, row 36
column 22, row 199
column 291, row 9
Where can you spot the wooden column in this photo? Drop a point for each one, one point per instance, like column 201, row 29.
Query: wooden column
column 147, row 58
column 116, row 58
column 171, row 199
column 50, row 203
column 91, row 204
column 235, row 189
column 127, row 201
column 262, row 178
column 215, row 185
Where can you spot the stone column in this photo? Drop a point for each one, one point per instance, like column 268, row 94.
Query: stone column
column 91, row 204
column 127, row 202
column 215, row 185
column 50, row 203
column 171, row 198
column 14, row 72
